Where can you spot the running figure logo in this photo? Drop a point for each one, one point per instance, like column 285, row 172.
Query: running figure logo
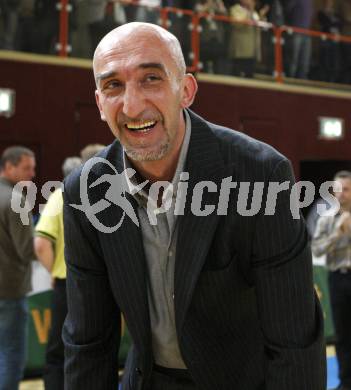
column 116, row 194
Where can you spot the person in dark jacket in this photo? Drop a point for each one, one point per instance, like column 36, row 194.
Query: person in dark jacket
column 16, row 253
column 299, row 13
column 213, row 298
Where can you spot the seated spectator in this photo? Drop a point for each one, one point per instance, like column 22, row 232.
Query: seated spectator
column 212, row 46
column 245, row 39
column 330, row 22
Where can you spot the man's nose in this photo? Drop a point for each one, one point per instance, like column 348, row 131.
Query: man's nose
column 133, row 101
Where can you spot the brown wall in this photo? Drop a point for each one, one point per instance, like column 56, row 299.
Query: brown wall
column 288, row 121
column 56, row 115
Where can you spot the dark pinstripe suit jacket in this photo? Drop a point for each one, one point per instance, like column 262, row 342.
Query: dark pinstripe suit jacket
column 246, row 314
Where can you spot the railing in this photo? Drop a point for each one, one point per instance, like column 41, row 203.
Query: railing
column 189, row 27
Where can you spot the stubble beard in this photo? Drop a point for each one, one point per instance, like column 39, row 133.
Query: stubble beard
column 138, row 154
column 151, row 155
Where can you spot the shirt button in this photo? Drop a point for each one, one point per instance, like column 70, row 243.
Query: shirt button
column 173, row 296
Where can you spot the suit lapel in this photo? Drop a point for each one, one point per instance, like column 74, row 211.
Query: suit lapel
column 129, row 272
column 204, row 163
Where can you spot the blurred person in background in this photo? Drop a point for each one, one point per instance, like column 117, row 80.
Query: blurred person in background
column 90, row 150
column 332, row 238
column 9, row 12
column 330, row 22
column 299, row 13
column 49, row 248
column 102, row 16
column 275, row 16
column 344, row 10
column 47, row 16
column 245, row 40
column 27, row 37
column 16, row 253
column 212, row 44
column 148, row 11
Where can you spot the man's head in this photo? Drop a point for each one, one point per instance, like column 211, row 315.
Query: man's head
column 90, row 150
column 142, row 89
column 17, row 163
column 344, row 197
column 70, row 164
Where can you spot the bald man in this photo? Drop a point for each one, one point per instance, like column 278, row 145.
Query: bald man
column 213, row 298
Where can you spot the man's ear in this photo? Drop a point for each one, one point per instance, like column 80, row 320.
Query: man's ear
column 189, row 90
column 97, row 99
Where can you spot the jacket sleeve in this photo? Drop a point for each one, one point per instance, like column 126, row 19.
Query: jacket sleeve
column 91, row 332
column 289, row 312
column 22, row 235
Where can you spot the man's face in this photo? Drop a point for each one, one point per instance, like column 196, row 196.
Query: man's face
column 140, row 94
column 24, row 170
column 344, row 197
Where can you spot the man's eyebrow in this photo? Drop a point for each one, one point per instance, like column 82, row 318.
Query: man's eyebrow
column 104, row 76
column 154, row 65
column 145, row 65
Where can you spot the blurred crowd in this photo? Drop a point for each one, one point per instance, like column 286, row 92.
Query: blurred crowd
column 235, row 48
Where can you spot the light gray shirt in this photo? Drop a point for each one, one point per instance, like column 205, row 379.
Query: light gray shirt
column 159, row 241
column 328, row 241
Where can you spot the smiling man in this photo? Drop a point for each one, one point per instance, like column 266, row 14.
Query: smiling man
column 211, row 302
column 141, row 89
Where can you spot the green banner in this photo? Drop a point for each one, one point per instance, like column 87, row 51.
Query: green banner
column 38, row 331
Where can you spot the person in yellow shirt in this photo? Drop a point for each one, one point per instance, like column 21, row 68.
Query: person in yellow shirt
column 49, row 248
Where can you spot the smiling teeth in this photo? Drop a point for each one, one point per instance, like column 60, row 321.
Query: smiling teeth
column 140, row 126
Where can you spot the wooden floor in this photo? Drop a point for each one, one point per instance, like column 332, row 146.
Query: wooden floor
column 33, row 384
column 37, row 384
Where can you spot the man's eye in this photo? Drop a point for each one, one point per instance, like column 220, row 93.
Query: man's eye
column 112, row 85
column 152, row 78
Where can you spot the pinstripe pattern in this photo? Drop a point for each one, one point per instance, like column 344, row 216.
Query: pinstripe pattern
column 246, row 314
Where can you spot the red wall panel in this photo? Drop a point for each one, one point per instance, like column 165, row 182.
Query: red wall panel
column 56, row 115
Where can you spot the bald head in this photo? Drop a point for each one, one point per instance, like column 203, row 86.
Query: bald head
column 142, row 90
column 124, row 37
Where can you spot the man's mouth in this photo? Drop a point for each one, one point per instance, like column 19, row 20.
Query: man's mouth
column 141, row 127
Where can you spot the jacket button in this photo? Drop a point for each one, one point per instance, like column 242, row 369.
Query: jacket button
column 138, row 371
